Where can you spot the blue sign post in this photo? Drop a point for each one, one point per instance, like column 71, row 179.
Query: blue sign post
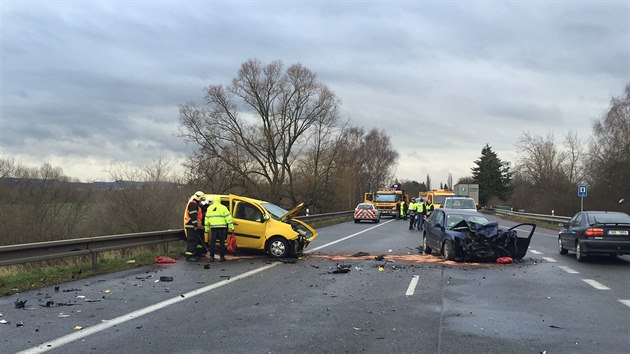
column 582, row 193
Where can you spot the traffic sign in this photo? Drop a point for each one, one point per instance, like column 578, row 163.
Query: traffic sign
column 582, row 191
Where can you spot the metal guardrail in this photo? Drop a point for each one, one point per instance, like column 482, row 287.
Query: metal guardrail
column 544, row 217
column 42, row 251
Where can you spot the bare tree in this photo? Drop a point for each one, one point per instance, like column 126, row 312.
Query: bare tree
column 609, row 157
column 259, row 125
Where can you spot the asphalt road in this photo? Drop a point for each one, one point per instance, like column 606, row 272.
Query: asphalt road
column 407, row 303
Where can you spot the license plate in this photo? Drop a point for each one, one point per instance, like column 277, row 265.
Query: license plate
column 618, row 232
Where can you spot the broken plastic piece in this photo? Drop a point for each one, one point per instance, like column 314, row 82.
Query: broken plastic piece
column 163, row 259
column 380, row 268
column 62, row 315
column 166, row 278
column 504, row 260
column 20, row 304
column 342, row 268
column 71, row 290
column 379, row 258
column 107, row 291
column 4, row 322
column 19, row 324
column 206, row 266
column 56, row 289
column 78, row 328
column 131, row 261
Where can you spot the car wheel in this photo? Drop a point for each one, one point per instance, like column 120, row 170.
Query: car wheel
column 561, row 249
column 356, row 221
column 448, row 251
column 378, row 220
column 579, row 254
column 278, row 247
column 426, row 249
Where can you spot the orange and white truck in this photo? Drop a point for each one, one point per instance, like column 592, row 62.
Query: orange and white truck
column 386, row 200
column 436, row 196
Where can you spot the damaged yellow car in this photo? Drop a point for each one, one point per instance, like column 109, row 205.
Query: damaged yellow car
column 260, row 225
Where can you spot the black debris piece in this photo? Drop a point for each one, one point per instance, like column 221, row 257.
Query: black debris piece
column 19, row 324
column 552, row 326
column 360, row 254
column 71, row 290
column 20, row 304
column 48, row 304
column 56, row 289
column 342, row 268
column 206, row 266
column 379, row 258
column 166, row 278
column 287, row 260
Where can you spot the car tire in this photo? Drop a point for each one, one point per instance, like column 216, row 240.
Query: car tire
column 580, row 255
column 377, row 220
column 561, row 249
column 356, row 221
column 448, row 251
column 278, row 247
column 426, row 249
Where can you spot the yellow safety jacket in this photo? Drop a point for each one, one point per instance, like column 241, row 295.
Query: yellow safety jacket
column 217, row 216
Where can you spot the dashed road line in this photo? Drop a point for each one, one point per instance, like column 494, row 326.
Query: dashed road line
column 535, row 252
column 550, row 260
column 569, row 270
column 625, row 302
column 412, row 285
column 597, row 285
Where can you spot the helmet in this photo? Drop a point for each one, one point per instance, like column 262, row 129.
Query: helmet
column 413, row 199
column 198, row 195
column 210, row 199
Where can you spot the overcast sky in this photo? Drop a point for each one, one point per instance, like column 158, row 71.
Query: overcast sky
column 90, row 85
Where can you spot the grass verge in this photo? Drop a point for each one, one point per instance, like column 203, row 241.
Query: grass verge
column 19, row 278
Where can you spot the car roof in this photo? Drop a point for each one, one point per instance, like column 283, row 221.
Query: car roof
column 459, row 197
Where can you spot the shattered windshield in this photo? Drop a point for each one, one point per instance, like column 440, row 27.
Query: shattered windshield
column 454, row 219
column 386, row 198
column 275, row 211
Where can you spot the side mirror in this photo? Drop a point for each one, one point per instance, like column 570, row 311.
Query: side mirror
column 564, row 225
column 266, row 217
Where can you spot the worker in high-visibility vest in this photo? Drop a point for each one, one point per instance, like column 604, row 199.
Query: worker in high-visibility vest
column 193, row 226
column 421, row 212
column 412, row 213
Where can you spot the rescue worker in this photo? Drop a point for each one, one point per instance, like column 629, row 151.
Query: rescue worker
column 403, row 210
column 412, row 213
column 429, row 208
column 218, row 222
column 398, row 215
column 421, row 210
column 193, row 226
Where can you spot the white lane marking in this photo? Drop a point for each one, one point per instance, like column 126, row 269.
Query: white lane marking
column 625, row 302
column 412, row 285
column 56, row 343
column 569, row 270
column 597, row 285
column 535, row 252
column 347, row 237
column 550, row 260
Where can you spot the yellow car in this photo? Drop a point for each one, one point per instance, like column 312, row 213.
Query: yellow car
column 261, row 225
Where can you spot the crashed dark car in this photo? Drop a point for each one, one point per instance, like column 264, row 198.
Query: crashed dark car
column 466, row 235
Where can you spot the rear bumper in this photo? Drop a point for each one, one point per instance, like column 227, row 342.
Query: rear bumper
column 606, row 246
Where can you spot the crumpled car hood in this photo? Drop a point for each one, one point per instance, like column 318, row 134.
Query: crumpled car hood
column 489, row 242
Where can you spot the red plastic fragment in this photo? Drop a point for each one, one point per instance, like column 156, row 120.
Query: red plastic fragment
column 163, row 259
column 504, row 260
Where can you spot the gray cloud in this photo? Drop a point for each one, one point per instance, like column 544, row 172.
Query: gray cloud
column 90, row 84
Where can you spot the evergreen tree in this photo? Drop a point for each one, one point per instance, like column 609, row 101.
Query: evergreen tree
column 493, row 175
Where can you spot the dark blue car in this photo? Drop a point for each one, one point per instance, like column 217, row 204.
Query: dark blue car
column 440, row 233
column 595, row 232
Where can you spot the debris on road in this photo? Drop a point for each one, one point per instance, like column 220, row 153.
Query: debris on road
column 360, row 254
column 164, row 259
column 166, row 278
column 342, row 268
column 488, row 242
column 20, row 304
column 379, row 258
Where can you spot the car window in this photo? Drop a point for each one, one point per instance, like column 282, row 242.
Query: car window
column 439, row 219
column 577, row 220
column 248, row 211
column 275, row 211
column 453, row 220
column 604, row 218
column 365, row 206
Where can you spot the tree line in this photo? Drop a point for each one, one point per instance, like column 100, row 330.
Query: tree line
column 275, row 133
